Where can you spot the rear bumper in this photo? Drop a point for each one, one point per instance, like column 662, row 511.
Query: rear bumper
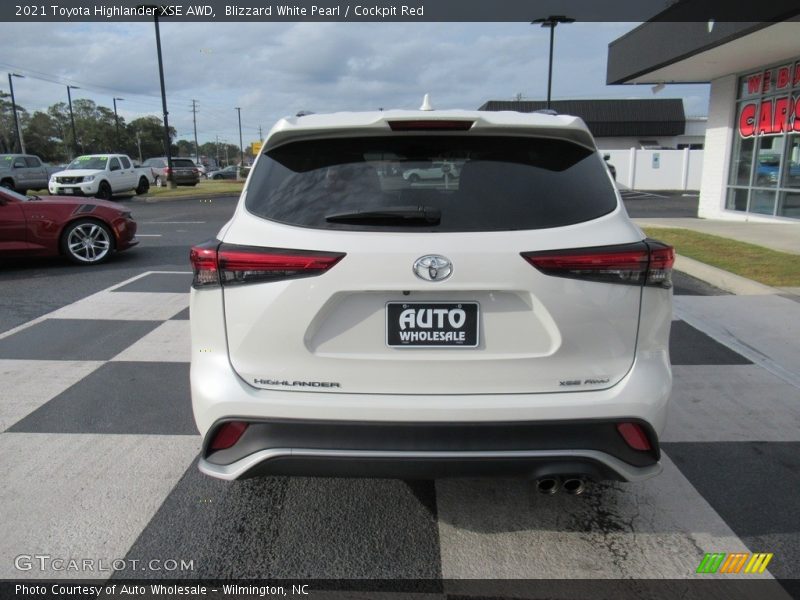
column 591, row 448
column 533, row 464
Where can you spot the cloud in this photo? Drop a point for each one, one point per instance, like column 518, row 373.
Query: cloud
column 275, row 69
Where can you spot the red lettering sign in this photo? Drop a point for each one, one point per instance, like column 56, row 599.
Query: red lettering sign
column 783, row 77
column 754, row 83
column 781, row 122
column 767, row 82
column 796, row 125
column 774, row 117
column 765, row 117
column 747, row 120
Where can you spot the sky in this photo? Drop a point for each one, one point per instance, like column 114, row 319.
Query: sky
column 271, row 70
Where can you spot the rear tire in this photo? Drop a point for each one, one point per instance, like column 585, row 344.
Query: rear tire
column 87, row 242
column 103, row 191
column 144, row 186
column 8, row 184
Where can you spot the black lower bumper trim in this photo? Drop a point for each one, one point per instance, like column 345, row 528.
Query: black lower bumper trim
column 590, row 434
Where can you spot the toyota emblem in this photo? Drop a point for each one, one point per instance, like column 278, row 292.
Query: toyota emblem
column 433, row 267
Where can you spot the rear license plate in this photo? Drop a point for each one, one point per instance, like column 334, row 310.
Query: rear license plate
column 432, row 324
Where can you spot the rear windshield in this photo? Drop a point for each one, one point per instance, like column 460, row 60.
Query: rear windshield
column 469, row 183
column 183, row 163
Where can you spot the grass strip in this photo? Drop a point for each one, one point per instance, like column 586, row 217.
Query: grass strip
column 767, row 266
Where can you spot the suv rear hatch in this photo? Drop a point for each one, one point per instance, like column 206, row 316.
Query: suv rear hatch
column 325, row 289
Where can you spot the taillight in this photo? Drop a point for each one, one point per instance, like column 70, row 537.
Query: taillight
column 634, row 435
column 227, row 435
column 662, row 257
column 432, row 125
column 227, row 264
column 642, row 263
column 167, row 171
column 204, row 264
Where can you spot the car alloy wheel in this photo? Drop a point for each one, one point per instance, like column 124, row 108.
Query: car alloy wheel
column 87, row 242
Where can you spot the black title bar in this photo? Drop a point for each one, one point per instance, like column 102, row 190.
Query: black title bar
column 396, row 10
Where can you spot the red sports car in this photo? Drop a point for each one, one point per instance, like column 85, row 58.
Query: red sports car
column 85, row 230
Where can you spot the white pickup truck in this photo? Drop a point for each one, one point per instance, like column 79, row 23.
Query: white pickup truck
column 101, row 176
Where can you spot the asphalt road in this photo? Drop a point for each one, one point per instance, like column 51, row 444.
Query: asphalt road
column 98, row 448
column 660, row 204
column 166, row 231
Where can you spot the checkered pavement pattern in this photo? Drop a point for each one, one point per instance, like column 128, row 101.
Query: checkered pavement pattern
column 98, row 453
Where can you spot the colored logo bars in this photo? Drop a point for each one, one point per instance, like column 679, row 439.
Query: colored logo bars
column 721, row 562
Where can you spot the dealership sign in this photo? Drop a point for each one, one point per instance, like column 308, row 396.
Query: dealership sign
column 770, row 115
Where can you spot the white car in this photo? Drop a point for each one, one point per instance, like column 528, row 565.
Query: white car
column 435, row 171
column 513, row 323
column 101, row 176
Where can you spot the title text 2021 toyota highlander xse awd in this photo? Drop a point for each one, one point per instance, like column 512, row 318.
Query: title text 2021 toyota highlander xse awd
column 510, row 321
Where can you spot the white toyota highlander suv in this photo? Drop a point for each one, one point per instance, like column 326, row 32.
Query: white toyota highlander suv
column 511, row 321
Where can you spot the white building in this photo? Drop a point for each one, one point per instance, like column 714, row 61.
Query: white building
column 751, row 166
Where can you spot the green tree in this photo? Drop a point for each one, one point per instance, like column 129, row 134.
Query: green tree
column 59, row 115
column 44, row 138
column 185, row 148
column 8, row 137
column 147, row 135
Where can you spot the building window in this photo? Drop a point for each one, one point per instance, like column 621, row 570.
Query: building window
column 765, row 162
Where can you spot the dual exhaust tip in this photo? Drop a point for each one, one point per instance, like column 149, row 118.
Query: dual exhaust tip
column 552, row 485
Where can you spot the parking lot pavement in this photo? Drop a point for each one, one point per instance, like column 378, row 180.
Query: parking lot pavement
column 643, row 204
column 99, row 461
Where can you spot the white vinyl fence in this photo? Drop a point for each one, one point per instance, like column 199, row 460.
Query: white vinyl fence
column 657, row 169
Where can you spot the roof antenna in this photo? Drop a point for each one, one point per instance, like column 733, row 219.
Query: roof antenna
column 426, row 103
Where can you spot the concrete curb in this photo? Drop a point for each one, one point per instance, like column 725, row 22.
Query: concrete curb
column 155, row 199
column 736, row 284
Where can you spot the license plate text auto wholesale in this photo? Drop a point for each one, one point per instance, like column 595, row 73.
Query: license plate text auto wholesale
column 432, row 324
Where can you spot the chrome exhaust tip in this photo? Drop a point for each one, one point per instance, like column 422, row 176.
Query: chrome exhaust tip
column 574, row 486
column 548, row 485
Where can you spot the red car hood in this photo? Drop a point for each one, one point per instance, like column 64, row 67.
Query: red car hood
column 77, row 201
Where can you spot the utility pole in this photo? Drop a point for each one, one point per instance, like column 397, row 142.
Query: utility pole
column 116, row 122
column 260, row 135
column 241, row 145
column 194, row 121
column 139, row 144
column 72, row 119
column 14, row 110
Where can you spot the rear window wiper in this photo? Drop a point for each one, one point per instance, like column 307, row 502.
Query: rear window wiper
column 402, row 215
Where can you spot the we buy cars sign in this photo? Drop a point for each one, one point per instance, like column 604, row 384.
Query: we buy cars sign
column 776, row 114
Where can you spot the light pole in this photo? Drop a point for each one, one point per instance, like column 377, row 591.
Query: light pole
column 168, row 152
column 241, row 146
column 14, row 110
column 552, row 21
column 72, row 119
column 116, row 121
